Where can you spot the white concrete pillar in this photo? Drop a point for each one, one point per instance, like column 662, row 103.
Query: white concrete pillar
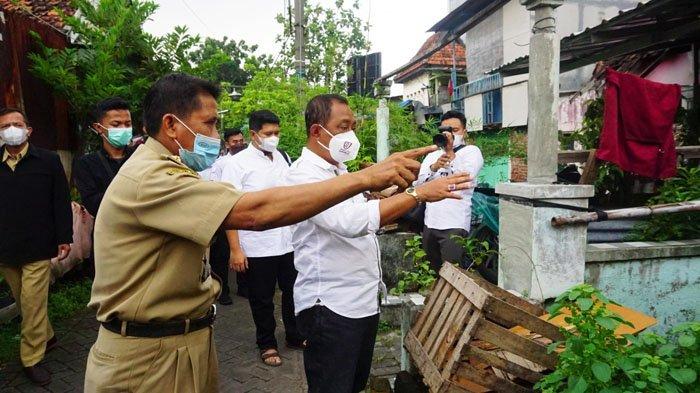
column 543, row 93
column 536, row 259
column 382, row 130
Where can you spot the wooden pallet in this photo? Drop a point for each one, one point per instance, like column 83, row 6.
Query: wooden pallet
column 473, row 336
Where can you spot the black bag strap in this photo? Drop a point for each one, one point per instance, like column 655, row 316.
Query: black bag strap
column 458, row 148
column 286, row 156
column 106, row 165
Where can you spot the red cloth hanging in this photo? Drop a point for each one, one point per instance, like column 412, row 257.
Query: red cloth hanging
column 637, row 130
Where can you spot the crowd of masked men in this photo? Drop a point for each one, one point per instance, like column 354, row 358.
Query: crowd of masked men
column 178, row 208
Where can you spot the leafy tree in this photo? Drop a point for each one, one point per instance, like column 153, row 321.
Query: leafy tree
column 333, row 35
column 227, row 61
column 113, row 55
column 287, row 97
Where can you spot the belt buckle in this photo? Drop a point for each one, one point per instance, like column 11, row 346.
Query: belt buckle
column 213, row 314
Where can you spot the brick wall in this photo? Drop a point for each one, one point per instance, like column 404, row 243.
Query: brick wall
column 518, row 169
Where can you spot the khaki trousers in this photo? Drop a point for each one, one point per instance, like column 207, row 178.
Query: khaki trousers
column 30, row 287
column 184, row 363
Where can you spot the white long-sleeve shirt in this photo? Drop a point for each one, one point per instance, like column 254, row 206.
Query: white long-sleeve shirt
column 451, row 213
column 336, row 252
column 251, row 170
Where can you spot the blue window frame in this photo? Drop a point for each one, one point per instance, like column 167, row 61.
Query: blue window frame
column 492, row 107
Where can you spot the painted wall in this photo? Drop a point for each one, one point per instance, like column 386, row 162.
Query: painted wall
column 677, row 69
column 517, row 26
column 515, row 101
column 417, row 88
column 474, row 112
column 660, row 279
column 484, row 44
column 494, row 171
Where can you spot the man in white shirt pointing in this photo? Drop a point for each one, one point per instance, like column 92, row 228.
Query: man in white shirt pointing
column 336, row 294
column 447, row 218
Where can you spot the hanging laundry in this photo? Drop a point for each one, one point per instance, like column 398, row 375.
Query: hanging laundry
column 637, row 130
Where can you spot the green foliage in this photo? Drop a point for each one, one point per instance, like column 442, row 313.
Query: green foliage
column 589, row 134
column 287, row 96
column 385, row 327
column 115, row 56
column 333, row 35
column 689, row 119
column 678, row 226
column 503, row 143
column 421, row 277
column 477, row 251
column 608, row 182
column 227, row 61
column 594, row 359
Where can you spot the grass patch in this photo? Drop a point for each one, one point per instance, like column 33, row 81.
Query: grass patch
column 66, row 299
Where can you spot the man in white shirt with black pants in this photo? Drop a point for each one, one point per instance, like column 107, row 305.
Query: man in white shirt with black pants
column 449, row 217
column 336, row 294
column 267, row 257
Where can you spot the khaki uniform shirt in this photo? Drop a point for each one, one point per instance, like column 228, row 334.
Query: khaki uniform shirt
column 154, row 225
column 12, row 161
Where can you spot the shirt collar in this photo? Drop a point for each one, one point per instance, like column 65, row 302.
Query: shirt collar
column 319, row 161
column 157, row 147
column 22, row 153
column 254, row 150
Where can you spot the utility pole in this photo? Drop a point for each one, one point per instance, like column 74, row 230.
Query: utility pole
column 299, row 39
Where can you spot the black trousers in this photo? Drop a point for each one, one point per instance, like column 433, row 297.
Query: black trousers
column 338, row 356
column 218, row 259
column 262, row 275
column 440, row 247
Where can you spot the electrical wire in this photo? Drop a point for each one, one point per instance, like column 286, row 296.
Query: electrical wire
column 196, row 16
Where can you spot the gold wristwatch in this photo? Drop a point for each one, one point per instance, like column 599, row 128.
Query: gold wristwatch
column 412, row 192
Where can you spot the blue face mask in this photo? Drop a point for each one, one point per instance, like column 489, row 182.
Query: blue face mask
column 204, row 152
column 117, row 137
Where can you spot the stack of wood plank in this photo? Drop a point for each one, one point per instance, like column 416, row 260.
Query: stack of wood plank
column 473, row 336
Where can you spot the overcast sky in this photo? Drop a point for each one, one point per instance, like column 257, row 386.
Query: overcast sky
column 398, row 27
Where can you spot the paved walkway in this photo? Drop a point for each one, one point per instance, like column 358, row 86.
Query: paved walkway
column 239, row 364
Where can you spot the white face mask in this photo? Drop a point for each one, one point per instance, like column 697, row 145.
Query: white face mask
column 268, row 144
column 343, row 147
column 14, row 136
column 458, row 141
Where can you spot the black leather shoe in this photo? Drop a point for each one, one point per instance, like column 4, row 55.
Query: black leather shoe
column 225, row 300
column 51, row 344
column 38, row 374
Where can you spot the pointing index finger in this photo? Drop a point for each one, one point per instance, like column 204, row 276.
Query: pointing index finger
column 420, row 151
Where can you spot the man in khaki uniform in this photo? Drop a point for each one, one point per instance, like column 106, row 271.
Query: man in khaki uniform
column 153, row 290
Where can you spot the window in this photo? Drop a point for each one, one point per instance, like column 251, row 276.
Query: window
column 492, row 107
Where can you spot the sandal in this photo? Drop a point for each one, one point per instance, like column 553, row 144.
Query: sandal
column 267, row 356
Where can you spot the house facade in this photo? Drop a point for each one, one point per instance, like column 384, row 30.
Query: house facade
column 427, row 81
column 499, row 34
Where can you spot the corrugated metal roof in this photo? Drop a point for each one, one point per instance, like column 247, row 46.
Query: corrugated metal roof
column 658, row 24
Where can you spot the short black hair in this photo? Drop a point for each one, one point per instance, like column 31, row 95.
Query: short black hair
column 174, row 93
column 318, row 110
column 229, row 132
column 8, row 110
column 109, row 104
column 257, row 119
column 455, row 115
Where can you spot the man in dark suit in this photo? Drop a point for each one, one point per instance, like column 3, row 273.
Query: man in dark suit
column 36, row 224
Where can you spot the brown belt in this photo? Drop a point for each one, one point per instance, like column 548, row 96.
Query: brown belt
column 160, row 329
